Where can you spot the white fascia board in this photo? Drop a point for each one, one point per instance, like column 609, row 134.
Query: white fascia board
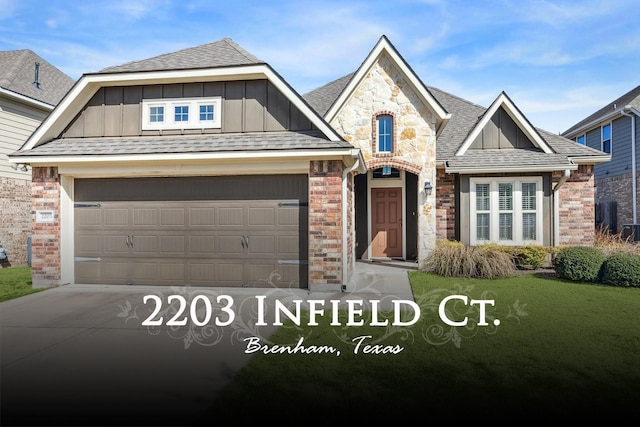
column 317, row 154
column 89, row 84
column 521, row 121
column 25, row 99
column 509, row 169
column 384, row 46
column 589, row 160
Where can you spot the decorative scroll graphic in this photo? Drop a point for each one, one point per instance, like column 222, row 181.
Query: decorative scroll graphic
column 204, row 315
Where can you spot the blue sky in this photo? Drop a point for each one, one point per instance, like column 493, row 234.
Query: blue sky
column 557, row 60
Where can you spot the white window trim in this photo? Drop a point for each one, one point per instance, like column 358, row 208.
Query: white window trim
column 391, row 148
column 194, row 121
column 494, row 230
column 610, row 124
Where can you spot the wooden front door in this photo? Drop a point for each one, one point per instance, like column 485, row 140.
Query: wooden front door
column 386, row 222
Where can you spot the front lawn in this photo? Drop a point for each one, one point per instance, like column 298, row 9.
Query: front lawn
column 15, row 282
column 563, row 352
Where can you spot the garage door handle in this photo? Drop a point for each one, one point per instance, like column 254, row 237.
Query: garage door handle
column 129, row 241
column 242, row 242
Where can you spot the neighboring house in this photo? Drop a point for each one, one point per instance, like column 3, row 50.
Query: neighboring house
column 29, row 89
column 204, row 167
column 615, row 129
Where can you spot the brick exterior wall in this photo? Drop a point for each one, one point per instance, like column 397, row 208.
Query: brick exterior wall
column 445, row 205
column 577, row 207
column 617, row 189
column 325, row 225
column 45, row 195
column 15, row 220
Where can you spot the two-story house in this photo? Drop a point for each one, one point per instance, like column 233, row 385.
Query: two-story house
column 30, row 87
column 615, row 129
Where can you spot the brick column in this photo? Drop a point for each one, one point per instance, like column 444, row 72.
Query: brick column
column 577, row 211
column 15, row 220
column 325, row 225
column 445, row 205
column 45, row 243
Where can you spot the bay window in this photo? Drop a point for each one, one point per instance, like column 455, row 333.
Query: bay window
column 506, row 211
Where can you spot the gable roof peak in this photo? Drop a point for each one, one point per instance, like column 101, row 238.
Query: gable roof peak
column 221, row 53
column 384, row 45
column 503, row 101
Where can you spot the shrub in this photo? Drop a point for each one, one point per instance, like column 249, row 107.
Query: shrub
column 622, row 269
column 532, row 256
column 579, row 263
column 458, row 260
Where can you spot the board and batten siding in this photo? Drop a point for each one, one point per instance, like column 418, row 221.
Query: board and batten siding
column 501, row 132
column 17, row 123
column 247, row 106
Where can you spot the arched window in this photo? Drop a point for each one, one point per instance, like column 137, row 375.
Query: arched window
column 384, row 126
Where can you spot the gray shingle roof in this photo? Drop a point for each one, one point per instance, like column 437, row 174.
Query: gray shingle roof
column 322, row 98
column 495, row 158
column 212, row 143
column 631, row 98
column 221, row 53
column 17, row 73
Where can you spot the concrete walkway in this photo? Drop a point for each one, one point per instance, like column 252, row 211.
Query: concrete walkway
column 79, row 354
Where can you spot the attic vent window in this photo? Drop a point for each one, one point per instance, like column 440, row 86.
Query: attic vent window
column 181, row 113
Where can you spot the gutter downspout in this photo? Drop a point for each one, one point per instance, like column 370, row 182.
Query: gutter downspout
column 626, row 111
column 556, row 207
column 345, row 207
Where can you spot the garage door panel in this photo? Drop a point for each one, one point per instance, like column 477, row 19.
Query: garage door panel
column 145, row 217
column 87, row 218
column 115, row 244
column 144, row 245
column 113, row 270
column 229, row 272
column 172, row 217
column 230, row 245
column 116, row 217
column 263, row 216
column 88, row 244
column 230, row 216
column 199, row 245
column 172, row 245
column 205, row 216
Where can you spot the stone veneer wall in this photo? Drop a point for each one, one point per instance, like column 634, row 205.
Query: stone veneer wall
column 384, row 90
column 577, row 207
column 45, row 195
column 15, row 220
column 445, row 205
column 325, row 225
column 619, row 189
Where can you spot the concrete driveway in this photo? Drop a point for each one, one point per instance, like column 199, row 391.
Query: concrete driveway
column 80, row 355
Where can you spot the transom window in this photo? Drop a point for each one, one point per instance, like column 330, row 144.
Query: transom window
column 384, row 125
column 606, row 138
column 506, row 210
column 206, row 112
column 386, row 172
column 156, row 114
column 181, row 113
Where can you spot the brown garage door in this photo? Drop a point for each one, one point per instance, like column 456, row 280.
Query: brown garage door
column 205, row 231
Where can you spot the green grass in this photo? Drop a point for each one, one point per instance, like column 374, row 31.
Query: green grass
column 562, row 352
column 15, row 282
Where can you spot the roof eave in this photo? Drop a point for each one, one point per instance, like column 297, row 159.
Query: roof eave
column 590, row 160
column 25, row 99
column 466, row 170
